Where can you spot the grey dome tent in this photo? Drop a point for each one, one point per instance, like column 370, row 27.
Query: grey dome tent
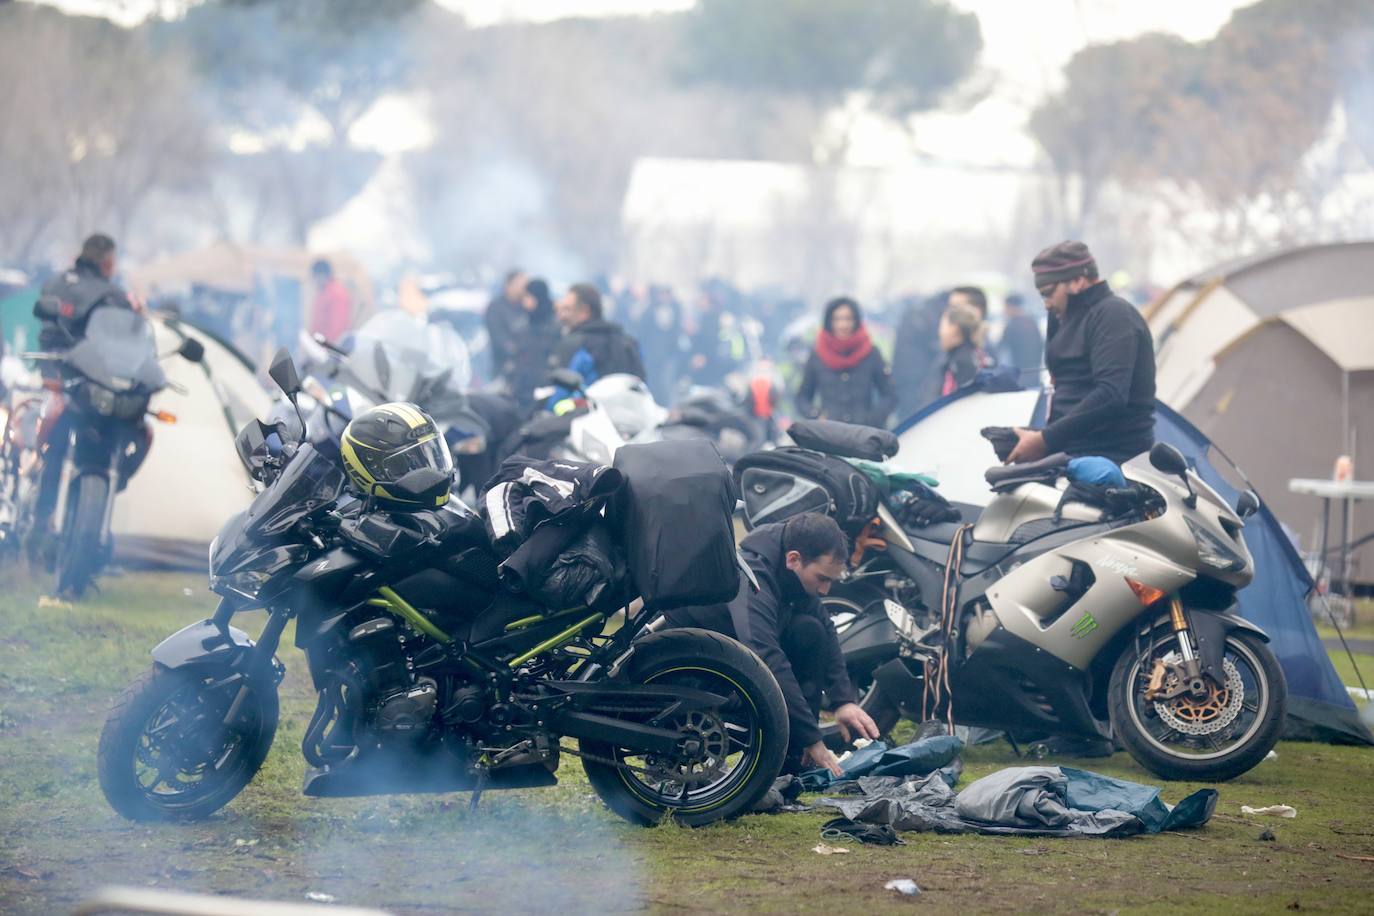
column 1272, row 358
column 943, row 440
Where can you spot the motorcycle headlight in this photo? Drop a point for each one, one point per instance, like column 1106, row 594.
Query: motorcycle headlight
column 1213, row 551
column 245, row 583
column 101, row 400
column 129, row 406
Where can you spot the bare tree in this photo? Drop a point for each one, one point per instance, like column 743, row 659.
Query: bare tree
column 92, row 126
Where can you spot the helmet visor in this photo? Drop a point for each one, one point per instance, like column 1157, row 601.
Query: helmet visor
column 429, row 452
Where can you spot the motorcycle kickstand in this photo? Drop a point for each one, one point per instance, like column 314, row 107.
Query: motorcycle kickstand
column 1015, row 748
column 477, row 790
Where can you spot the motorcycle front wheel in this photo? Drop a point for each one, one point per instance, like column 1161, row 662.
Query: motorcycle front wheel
column 165, row 752
column 79, row 554
column 1200, row 738
column 745, row 741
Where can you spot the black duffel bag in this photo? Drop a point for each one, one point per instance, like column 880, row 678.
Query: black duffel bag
column 847, row 440
column 784, row 482
column 675, row 515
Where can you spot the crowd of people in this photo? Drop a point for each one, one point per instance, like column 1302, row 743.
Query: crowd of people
column 834, row 366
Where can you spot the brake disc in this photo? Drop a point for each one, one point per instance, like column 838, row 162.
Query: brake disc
column 1210, row 714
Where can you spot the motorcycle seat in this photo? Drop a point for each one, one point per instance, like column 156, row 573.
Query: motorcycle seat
column 1008, row 477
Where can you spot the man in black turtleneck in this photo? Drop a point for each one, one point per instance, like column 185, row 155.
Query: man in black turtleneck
column 1101, row 359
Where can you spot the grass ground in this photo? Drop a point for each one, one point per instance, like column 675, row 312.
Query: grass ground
column 559, row 849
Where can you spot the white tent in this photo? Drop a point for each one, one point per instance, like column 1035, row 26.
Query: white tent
column 192, row 479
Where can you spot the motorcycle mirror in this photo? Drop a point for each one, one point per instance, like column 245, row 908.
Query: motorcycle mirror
column 283, row 372
column 567, row 378
column 1169, row 460
column 1248, row 504
column 1164, row 457
column 192, row 350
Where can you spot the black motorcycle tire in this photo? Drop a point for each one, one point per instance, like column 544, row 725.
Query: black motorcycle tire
column 695, row 649
column 1228, row 766
column 124, row 728
column 79, row 552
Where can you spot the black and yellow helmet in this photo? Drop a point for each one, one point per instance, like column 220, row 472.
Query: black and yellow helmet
column 383, row 444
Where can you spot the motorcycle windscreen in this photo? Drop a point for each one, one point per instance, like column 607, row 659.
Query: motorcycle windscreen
column 310, row 481
column 118, row 351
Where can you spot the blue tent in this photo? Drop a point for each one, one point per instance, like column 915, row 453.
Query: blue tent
column 1318, row 704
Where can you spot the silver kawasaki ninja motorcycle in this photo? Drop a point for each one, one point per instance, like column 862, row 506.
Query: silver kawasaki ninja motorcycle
column 1058, row 609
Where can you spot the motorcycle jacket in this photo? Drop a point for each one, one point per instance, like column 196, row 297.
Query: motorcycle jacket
column 525, row 493
column 67, row 300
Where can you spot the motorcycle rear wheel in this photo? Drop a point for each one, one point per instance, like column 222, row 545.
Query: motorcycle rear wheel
column 752, row 730
column 164, row 753
column 1255, row 699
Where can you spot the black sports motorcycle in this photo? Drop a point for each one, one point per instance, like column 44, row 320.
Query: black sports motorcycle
column 430, row 675
column 109, row 377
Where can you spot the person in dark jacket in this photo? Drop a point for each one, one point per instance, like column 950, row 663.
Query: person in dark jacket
column 845, row 372
column 1101, row 359
column 795, row 562
column 504, row 311
column 591, row 345
column 533, row 332
column 961, row 333
column 1021, row 346
column 915, row 354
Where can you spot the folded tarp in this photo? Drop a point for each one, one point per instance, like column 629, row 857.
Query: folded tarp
column 1027, row 801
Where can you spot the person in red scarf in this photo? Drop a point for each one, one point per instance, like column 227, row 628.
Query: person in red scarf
column 846, row 378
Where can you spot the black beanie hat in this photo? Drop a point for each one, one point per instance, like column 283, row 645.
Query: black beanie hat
column 1061, row 262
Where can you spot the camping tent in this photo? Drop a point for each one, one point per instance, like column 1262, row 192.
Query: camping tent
column 192, row 480
column 1273, row 358
column 943, row 440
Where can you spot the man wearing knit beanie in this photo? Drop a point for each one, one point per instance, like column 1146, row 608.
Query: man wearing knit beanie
column 1101, row 359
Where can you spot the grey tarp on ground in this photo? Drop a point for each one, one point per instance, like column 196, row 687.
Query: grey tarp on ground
column 1033, row 801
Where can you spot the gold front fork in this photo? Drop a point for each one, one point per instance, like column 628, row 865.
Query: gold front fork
column 1192, row 667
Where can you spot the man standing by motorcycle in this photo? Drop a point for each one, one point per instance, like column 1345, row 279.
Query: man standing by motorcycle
column 795, row 563
column 64, row 304
column 1101, row 359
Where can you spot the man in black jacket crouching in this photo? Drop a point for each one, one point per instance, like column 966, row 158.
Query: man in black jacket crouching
column 795, row 563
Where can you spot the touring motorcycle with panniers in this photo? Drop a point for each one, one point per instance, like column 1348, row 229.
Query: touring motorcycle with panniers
column 1100, row 612
column 430, row 674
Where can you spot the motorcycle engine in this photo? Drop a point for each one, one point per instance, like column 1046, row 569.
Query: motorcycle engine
column 408, row 710
column 404, row 704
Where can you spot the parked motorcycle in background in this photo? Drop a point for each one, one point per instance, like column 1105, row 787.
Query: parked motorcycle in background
column 396, row 356
column 1057, row 610
column 109, row 378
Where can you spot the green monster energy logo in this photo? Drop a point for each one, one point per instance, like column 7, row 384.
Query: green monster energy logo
column 1085, row 625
